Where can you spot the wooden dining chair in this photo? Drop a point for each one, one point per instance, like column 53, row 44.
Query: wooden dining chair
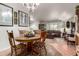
column 18, row 49
column 39, row 46
column 23, row 32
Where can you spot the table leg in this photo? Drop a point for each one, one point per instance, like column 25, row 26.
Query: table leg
column 29, row 47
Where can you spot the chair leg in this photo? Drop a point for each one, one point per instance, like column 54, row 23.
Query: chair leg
column 11, row 52
column 45, row 50
column 76, row 54
column 15, row 52
column 40, row 52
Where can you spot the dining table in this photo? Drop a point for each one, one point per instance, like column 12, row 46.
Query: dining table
column 28, row 40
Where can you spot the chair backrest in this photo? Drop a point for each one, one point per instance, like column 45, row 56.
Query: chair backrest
column 11, row 38
column 22, row 32
column 37, row 31
column 43, row 36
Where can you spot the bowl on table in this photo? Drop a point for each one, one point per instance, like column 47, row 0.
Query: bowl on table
column 29, row 34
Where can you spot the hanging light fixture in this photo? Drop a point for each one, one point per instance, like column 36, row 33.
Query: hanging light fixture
column 31, row 6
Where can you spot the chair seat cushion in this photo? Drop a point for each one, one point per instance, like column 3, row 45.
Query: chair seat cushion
column 21, row 45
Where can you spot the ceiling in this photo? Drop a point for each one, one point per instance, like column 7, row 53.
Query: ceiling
column 54, row 11
column 50, row 11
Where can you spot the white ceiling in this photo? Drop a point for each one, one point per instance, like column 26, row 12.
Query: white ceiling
column 50, row 11
column 53, row 11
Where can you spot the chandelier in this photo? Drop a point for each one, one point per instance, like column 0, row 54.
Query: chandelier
column 31, row 6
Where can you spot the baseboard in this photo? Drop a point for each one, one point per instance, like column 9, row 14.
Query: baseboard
column 5, row 52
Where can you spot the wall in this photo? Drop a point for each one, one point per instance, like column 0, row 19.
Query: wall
column 72, row 19
column 54, row 25
column 4, row 43
column 34, row 25
column 57, row 24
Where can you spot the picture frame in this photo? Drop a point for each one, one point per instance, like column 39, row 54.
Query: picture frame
column 23, row 19
column 6, row 15
column 15, row 17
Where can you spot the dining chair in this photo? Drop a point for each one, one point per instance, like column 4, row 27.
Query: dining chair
column 39, row 47
column 18, row 49
column 37, row 31
column 22, row 32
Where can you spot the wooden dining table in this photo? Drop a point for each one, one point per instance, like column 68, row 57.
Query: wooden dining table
column 28, row 40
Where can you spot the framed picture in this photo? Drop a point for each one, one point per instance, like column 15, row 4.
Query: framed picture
column 6, row 15
column 15, row 17
column 23, row 19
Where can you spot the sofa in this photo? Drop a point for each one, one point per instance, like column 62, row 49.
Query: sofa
column 53, row 33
